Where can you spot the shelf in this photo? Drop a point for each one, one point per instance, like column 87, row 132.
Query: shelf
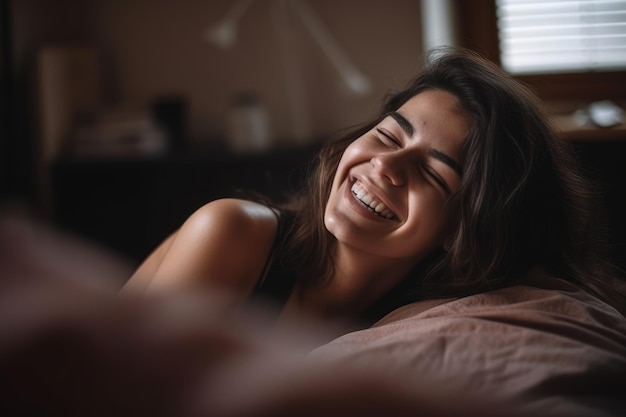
column 129, row 204
column 568, row 129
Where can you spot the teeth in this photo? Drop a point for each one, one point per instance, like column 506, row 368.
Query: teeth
column 369, row 200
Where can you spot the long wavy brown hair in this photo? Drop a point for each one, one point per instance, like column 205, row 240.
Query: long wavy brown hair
column 521, row 203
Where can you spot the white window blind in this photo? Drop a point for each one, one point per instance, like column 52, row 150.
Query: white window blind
column 562, row 36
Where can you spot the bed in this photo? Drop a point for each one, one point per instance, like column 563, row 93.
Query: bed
column 547, row 347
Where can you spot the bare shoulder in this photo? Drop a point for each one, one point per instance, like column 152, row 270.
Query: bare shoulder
column 232, row 228
column 229, row 215
column 224, row 244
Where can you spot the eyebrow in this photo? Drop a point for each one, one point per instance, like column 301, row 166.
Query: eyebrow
column 446, row 160
column 403, row 122
column 410, row 130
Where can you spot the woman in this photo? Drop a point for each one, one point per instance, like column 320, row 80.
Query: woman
column 459, row 186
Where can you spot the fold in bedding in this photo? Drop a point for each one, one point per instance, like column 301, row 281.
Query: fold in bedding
column 554, row 350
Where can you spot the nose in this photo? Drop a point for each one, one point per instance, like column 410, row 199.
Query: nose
column 390, row 167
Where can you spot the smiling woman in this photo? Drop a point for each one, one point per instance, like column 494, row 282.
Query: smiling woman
column 403, row 168
column 459, row 186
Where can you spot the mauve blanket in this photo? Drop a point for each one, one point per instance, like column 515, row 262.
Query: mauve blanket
column 550, row 350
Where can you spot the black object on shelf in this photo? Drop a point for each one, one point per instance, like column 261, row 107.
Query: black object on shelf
column 170, row 114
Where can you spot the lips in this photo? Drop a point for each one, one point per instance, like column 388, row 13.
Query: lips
column 372, row 202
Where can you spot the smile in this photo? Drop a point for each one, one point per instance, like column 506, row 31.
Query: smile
column 369, row 201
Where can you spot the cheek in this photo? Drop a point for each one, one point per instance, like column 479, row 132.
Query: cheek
column 330, row 212
column 357, row 151
column 432, row 215
column 349, row 159
column 329, row 221
column 333, row 221
column 444, row 223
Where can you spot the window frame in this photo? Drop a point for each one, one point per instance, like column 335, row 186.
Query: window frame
column 478, row 30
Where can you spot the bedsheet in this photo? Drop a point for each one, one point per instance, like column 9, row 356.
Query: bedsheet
column 549, row 350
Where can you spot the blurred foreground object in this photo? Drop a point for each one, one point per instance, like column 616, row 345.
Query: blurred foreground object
column 70, row 346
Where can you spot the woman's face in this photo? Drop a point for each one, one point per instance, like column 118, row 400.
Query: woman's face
column 389, row 195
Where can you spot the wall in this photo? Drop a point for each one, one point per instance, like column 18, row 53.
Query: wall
column 156, row 47
column 152, row 48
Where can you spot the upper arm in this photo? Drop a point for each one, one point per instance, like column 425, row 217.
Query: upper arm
column 223, row 245
column 142, row 276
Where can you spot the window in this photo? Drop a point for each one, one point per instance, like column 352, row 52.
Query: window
column 561, row 36
column 564, row 49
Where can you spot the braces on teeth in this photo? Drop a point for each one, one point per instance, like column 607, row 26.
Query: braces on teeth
column 370, row 201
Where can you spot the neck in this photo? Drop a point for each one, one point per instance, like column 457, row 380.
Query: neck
column 358, row 280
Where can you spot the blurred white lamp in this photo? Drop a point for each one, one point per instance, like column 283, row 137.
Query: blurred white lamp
column 355, row 80
column 224, row 34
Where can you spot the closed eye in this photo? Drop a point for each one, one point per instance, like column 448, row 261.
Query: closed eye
column 388, row 138
column 435, row 177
